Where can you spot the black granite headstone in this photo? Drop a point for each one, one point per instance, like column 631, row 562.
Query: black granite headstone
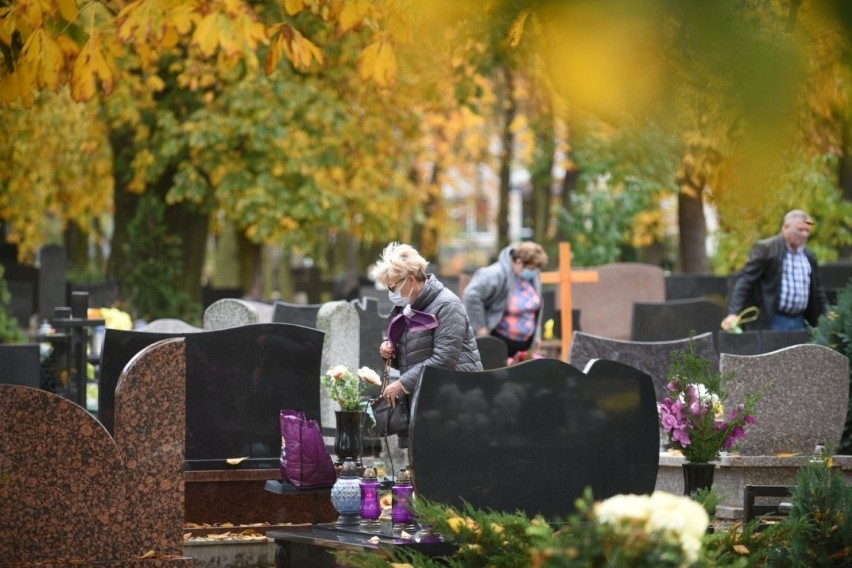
column 373, row 326
column 51, row 280
column 745, row 343
column 238, row 380
column 20, row 365
column 297, row 314
column 684, row 286
column 775, row 340
column 675, row 319
column 492, row 351
column 531, row 437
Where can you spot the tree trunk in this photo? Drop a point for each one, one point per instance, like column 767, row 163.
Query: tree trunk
column 124, row 202
column 506, row 153
column 251, row 267
column 845, row 176
column 693, row 231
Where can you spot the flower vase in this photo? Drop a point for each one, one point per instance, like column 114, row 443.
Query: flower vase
column 697, row 476
column 347, row 438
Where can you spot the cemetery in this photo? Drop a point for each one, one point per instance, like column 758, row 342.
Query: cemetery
column 179, row 461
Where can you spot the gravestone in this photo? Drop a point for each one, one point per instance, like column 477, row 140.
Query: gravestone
column 492, row 351
column 238, row 380
column 373, row 325
column 675, row 319
column 551, row 309
column 380, row 296
column 51, row 280
column 101, row 294
column 298, row 314
column 607, row 305
column 756, row 342
column 264, row 311
column 805, row 396
column 71, row 494
column 531, row 437
column 170, row 325
column 685, row 286
column 651, row 357
column 230, row 312
column 746, row 343
column 20, row 365
column 835, row 277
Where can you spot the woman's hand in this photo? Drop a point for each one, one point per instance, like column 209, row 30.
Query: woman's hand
column 392, row 391
column 386, row 349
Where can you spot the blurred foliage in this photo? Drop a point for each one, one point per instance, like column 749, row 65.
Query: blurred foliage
column 152, row 285
column 834, row 330
column 10, row 329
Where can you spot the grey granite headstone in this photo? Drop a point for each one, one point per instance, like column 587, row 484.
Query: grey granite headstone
column 297, row 314
column 675, row 319
column 264, row 311
column 230, row 312
column 20, row 365
column 339, row 321
column 492, row 351
column 169, row 325
column 51, row 280
column 805, row 396
column 652, row 357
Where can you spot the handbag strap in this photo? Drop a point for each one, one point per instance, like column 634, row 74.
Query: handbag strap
column 386, row 374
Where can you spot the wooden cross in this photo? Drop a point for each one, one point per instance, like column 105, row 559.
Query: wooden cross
column 564, row 277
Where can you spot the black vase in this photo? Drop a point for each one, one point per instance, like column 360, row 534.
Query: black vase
column 697, row 476
column 347, row 439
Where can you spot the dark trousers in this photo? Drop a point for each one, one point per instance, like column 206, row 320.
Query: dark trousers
column 513, row 345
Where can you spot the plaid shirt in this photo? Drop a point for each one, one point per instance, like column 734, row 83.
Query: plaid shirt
column 519, row 321
column 795, row 281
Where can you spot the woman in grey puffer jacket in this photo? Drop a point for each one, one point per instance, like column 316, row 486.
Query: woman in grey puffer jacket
column 433, row 327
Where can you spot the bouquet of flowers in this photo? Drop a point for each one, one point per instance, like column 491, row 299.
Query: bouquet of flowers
column 693, row 415
column 347, row 387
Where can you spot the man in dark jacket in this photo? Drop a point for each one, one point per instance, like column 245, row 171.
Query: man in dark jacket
column 781, row 279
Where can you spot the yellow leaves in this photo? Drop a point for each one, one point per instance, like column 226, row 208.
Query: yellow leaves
column 378, row 62
column 301, row 51
column 516, row 30
column 352, row 15
column 293, row 7
column 94, row 63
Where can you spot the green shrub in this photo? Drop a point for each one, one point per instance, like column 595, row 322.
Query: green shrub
column 10, row 329
column 834, row 330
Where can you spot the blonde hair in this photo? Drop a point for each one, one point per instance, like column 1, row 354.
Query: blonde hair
column 530, row 253
column 398, row 261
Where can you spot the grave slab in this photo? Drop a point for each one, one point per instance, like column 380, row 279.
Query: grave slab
column 229, row 312
column 492, row 351
column 675, row 319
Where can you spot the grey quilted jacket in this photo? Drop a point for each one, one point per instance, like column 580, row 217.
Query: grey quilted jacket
column 451, row 345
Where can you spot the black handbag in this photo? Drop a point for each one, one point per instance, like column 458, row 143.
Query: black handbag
column 390, row 419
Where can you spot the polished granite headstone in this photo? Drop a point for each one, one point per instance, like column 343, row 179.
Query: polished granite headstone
column 775, row 340
column 298, row 314
column 675, row 319
column 492, row 351
column 685, row 286
column 652, row 357
column 805, row 395
column 238, row 380
column 373, row 325
column 20, row 365
column 72, row 495
column 531, row 437
column 746, row 343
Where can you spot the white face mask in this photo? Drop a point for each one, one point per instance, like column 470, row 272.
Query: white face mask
column 396, row 298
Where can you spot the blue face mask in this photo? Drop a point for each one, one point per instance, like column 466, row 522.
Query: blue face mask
column 529, row 273
column 397, row 299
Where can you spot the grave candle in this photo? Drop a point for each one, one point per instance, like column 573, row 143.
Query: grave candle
column 370, row 507
column 401, row 513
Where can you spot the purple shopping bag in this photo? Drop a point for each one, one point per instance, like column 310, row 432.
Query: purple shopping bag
column 305, row 461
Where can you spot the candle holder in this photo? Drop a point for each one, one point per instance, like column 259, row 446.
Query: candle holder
column 402, row 514
column 371, row 509
column 346, row 494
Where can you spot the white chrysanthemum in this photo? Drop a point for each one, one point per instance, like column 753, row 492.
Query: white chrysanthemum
column 680, row 518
